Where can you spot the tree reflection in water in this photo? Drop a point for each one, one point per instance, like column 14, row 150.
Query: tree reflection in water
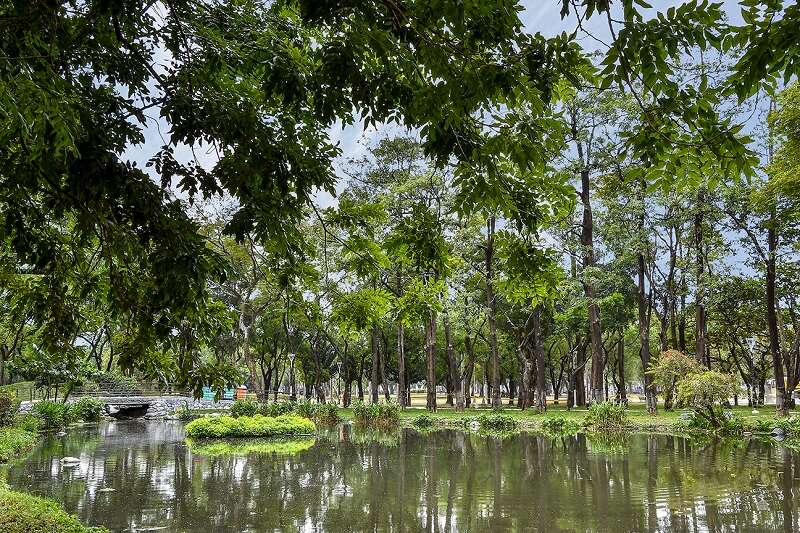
column 441, row 481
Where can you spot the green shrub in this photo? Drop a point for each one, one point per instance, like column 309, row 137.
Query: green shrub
column 425, row 421
column 729, row 424
column 607, row 415
column 26, row 513
column 249, row 426
column 559, row 424
column 27, row 422
column 88, row 409
column 284, row 407
column 762, row 426
column 185, row 414
column 8, row 407
column 15, row 442
column 53, row 415
column 304, row 408
column 326, row 413
column 376, row 414
column 244, row 407
column 497, row 422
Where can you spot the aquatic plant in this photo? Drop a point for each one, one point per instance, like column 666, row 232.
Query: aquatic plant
column 53, row 415
column 497, row 422
column 559, row 425
column 607, row 416
column 425, row 422
column 87, row 409
column 26, row 513
column 249, row 426
column 376, row 414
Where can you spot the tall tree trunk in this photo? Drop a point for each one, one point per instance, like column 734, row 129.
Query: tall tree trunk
column 452, row 365
column 373, row 382
column 538, row 350
column 580, row 382
column 644, row 339
column 401, row 365
column 469, row 370
column 772, row 317
column 430, row 355
column 384, row 382
column 623, row 397
column 587, row 244
column 491, row 315
column 700, row 295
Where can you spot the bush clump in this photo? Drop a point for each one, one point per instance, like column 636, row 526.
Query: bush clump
column 87, row 409
column 729, row 424
column 326, row 413
column 284, row 407
column 497, row 422
column 425, row 421
column 607, row 416
column 15, row 442
column 244, row 407
column 250, row 426
column 53, row 415
column 380, row 414
column 8, row 407
column 560, row 425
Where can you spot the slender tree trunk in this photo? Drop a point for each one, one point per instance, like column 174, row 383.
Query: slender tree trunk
column 373, row 382
column 644, row 338
column 470, row 370
column 538, row 350
column 430, row 354
column 401, row 365
column 772, row 318
column 452, row 364
column 580, row 382
column 384, row 382
column 700, row 295
column 623, row 397
column 491, row 307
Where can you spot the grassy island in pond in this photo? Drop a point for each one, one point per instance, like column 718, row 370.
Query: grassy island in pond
column 224, row 447
column 250, row 426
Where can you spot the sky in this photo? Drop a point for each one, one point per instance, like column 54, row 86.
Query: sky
column 542, row 16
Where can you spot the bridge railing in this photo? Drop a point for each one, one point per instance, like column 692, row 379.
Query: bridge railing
column 128, row 389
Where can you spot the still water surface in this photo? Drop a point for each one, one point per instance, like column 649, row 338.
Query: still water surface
column 443, row 481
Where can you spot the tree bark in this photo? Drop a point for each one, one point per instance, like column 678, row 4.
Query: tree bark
column 538, row 350
column 587, row 244
column 373, row 382
column 430, row 355
column 452, row 365
column 644, row 339
column 491, row 307
column 700, row 296
column 623, row 397
column 401, row 366
column 772, row 318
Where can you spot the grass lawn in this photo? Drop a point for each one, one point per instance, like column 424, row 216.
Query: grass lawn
column 637, row 413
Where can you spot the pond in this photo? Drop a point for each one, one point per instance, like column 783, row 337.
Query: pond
column 442, row 481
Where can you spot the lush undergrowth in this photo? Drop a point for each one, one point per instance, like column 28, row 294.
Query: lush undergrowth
column 25, row 513
column 214, row 448
column 376, row 415
column 15, row 442
column 250, row 426
column 321, row 413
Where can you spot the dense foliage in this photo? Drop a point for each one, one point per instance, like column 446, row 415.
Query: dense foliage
column 548, row 219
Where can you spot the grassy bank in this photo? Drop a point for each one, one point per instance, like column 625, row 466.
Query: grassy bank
column 638, row 417
column 25, row 513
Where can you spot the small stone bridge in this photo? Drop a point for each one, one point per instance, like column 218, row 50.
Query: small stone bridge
column 142, row 406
